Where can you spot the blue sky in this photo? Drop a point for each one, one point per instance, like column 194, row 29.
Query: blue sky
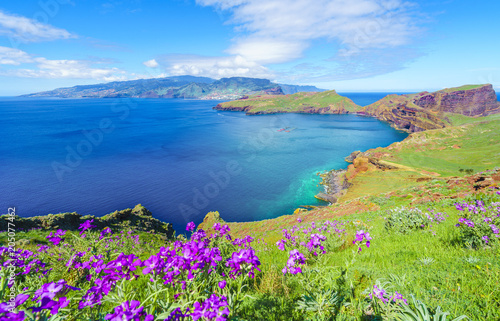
column 347, row 45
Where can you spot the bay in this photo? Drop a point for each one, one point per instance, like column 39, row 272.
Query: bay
column 179, row 158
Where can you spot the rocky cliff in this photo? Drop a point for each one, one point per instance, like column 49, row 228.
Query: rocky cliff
column 423, row 111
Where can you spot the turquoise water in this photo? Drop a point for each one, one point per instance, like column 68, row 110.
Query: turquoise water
column 179, row 158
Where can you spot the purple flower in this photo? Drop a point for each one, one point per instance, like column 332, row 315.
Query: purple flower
column 129, row 311
column 54, row 237
column 295, row 257
column 190, row 226
column 281, row 244
column 104, row 232
column 378, row 293
column 398, row 296
column 222, row 284
column 485, row 238
column 210, row 309
column 87, row 225
column 241, row 261
column 360, row 235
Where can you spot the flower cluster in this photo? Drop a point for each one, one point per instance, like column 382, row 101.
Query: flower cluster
column 55, row 238
column 129, row 311
column 295, row 258
column 478, row 223
column 97, row 262
column 360, row 235
column 243, row 261
column 210, row 309
column 381, row 294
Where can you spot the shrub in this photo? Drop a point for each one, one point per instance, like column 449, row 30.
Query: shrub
column 479, row 223
column 404, row 220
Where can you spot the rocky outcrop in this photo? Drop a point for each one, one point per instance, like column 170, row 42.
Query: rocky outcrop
column 424, row 111
column 335, row 184
column 466, row 100
column 138, row 217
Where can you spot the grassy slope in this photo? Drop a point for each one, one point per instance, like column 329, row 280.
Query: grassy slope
column 295, row 102
column 438, row 153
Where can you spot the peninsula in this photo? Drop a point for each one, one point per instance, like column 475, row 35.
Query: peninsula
column 410, row 112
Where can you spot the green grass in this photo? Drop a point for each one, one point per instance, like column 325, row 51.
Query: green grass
column 461, row 88
column 294, row 103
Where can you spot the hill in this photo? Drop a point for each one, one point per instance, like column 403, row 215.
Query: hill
column 409, row 112
column 327, row 102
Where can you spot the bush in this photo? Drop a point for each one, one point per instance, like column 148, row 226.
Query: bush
column 404, row 220
column 479, row 223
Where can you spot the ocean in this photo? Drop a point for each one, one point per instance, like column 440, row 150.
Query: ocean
column 178, row 158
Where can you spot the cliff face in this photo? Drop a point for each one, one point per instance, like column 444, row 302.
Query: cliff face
column 424, row 111
column 466, row 100
column 402, row 114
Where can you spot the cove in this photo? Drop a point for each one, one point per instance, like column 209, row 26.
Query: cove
column 179, row 158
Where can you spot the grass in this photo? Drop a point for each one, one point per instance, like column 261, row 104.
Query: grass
column 461, row 88
column 294, row 103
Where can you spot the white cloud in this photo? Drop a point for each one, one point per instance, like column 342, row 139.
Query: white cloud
column 30, row 30
column 46, row 68
column 151, row 63
column 276, row 31
column 15, row 57
column 213, row 67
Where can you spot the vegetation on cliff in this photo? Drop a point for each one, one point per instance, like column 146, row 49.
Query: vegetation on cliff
column 327, row 102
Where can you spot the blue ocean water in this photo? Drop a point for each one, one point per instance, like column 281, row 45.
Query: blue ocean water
column 179, row 158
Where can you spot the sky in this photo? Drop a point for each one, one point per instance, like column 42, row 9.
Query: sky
column 347, row 45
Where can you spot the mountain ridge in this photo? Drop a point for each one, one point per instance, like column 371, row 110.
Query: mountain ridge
column 189, row 87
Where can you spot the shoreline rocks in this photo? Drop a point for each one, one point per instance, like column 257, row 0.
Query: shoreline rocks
column 335, row 184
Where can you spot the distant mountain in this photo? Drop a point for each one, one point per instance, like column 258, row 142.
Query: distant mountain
column 170, row 87
column 178, row 87
column 293, row 89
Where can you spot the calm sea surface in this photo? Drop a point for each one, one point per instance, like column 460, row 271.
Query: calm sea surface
column 179, row 158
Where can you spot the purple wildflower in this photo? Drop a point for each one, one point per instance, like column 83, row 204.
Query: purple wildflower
column 87, row 225
column 210, row 309
column 295, row 257
column 129, row 311
column 190, row 226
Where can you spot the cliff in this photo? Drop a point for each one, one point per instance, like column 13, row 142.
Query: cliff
column 327, row 102
column 423, row 111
